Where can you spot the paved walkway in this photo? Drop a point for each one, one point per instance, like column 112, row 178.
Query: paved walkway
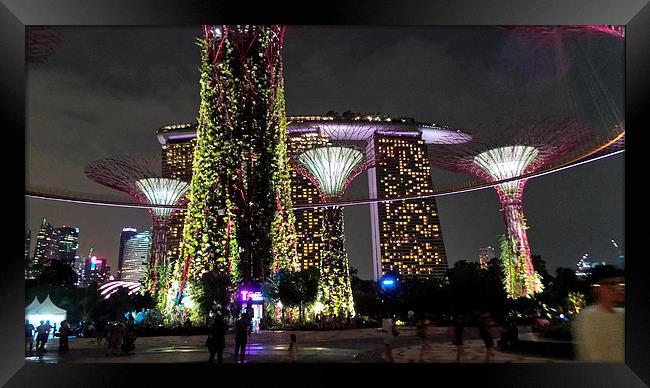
column 338, row 346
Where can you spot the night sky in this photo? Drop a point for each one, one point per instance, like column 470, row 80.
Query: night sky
column 105, row 91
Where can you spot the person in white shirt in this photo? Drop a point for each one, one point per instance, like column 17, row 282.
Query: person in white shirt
column 599, row 330
column 390, row 331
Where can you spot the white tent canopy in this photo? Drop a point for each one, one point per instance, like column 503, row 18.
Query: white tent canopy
column 47, row 311
column 32, row 308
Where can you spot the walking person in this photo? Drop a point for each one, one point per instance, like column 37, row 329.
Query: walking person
column 293, row 350
column 422, row 331
column 64, row 333
column 484, row 324
column 100, row 332
column 241, row 336
column 42, row 334
column 29, row 337
column 599, row 329
column 457, row 335
column 390, row 332
column 187, row 328
column 216, row 341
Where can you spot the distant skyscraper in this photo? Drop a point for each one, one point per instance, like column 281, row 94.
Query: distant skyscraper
column 126, row 234
column 585, row 266
column 406, row 235
column 47, row 245
column 28, row 261
column 178, row 142
column 137, row 251
column 68, row 245
column 485, row 255
column 96, row 269
column 80, row 269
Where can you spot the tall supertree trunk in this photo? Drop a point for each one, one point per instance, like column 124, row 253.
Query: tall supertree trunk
column 335, row 286
column 524, row 279
column 239, row 219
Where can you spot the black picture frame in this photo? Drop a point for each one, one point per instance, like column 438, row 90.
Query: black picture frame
column 635, row 14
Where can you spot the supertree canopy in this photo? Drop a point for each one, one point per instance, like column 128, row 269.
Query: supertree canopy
column 140, row 178
column 331, row 169
column 239, row 219
column 528, row 147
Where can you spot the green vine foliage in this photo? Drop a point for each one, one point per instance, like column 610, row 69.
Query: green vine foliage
column 335, row 288
column 240, row 163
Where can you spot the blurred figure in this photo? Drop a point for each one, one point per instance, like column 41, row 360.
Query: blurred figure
column 390, row 331
column 128, row 345
column 293, row 350
column 64, row 333
column 116, row 336
column 187, row 329
column 484, row 326
column 42, row 334
column 241, row 336
column 599, row 330
column 100, row 332
column 457, row 335
column 216, row 341
column 29, row 337
column 422, row 331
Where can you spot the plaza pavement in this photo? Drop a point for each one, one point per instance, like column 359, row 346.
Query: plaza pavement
column 336, row 346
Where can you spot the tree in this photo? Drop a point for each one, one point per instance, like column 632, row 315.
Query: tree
column 296, row 289
column 57, row 273
column 540, row 267
column 365, row 294
column 212, row 292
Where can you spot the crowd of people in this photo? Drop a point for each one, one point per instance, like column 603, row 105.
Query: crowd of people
column 598, row 331
column 118, row 337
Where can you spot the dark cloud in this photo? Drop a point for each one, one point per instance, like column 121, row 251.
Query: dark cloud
column 106, row 90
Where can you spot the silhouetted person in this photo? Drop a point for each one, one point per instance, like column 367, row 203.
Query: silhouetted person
column 599, row 329
column 484, row 324
column 422, row 331
column 29, row 336
column 241, row 336
column 293, row 349
column 64, row 332
column 42, row 334
column 457, row 335
column 216, row 341
column 100, row 331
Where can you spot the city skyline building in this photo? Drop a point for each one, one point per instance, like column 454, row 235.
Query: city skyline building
column 407, row 236
column 585, row 266
column 28, row 261
column 137, row 252
column 486, row 254
column 96, row 269
column 68, row 244
column 47, row 246
column 126, row 234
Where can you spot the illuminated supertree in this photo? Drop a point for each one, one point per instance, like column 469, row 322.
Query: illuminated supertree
column 513, row 150
column 40, row 42
column 568, row 47
column 239, row 219
column 140, row 178
column 331, row 169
